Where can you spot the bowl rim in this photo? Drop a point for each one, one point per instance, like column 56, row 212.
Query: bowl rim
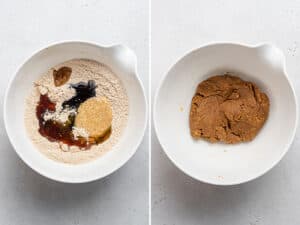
column 213, row 44
column 85, row 42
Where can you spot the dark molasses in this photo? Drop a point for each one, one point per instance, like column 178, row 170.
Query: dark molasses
column 56, row 131
column 83, row 92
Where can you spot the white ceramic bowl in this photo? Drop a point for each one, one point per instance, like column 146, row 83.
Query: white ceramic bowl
column 123, row 62
column 223, row 164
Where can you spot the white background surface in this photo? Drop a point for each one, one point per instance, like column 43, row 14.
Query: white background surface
column 179, row 26
column 26, row 198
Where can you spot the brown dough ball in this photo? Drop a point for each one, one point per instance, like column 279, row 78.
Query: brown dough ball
column 227, row 109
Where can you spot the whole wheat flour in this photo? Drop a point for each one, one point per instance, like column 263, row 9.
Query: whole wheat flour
column 108, row 86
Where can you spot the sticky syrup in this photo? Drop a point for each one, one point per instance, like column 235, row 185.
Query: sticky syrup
column 53, row 130
column 62, row 132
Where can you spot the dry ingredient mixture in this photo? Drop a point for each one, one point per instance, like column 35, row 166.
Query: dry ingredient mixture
column 76, row 111
column 227, row 109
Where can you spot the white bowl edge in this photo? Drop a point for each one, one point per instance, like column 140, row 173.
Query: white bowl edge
column 88, row 42
column 254, row 46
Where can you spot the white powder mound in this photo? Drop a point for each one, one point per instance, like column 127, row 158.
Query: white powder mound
column 80, row 132
column 59, row 115
column 55, row 94
column 108, row 86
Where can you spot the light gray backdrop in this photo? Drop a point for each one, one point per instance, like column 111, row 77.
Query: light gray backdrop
column 26, row 198
column 179, row 26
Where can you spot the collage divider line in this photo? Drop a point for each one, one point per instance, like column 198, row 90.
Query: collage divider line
column 149, row 112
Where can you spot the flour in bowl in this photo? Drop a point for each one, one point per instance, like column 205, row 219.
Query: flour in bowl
column 63, row 98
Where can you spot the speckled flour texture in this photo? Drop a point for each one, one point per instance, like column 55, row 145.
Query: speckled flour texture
column 108, row 85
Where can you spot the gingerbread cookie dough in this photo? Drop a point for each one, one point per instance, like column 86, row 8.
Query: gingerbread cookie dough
column 227, row 109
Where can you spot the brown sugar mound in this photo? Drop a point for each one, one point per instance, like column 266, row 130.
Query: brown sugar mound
column 94, row 116
column 227, row 109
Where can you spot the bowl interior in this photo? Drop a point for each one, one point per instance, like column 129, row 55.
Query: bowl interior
column 123, row 62
column 220, row 163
